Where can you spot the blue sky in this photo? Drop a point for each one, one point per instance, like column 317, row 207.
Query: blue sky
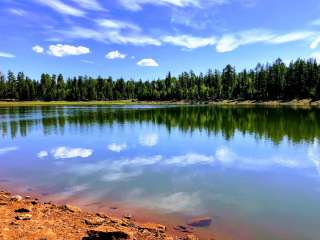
column 147, row 38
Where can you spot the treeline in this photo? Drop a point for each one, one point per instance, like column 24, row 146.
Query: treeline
column 299, row 80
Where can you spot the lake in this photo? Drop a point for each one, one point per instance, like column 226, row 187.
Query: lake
column 254, row 170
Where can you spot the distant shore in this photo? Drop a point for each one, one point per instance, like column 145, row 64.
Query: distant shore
column 300, row 102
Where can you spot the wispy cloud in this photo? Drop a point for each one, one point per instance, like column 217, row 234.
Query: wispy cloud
column 189, row 41
column 117, row 24
column 66, row 152
column 148, row 62
column 114, row 147
column 18, row 12
column 136, row 5
column 109, row 36
column 60, row 50
column 62, row 8
column 115, row 55
column 7, row 55
column 89, row 4
column 230, row 42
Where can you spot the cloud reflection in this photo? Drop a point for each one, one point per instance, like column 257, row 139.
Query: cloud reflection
column 7, row 149
column 66, row 152
column 114, row 147
column 314, row 154
column 149, row 140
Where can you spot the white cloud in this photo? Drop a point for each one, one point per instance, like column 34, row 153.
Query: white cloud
column 189, row 41
column 7, row 55
column 65, row 152
column 7, row 149
column 190, row 159
column 61, row 7
column 89, row 4
column 149, row 140
column 230, row 42
column 136, row 5
column 315, row 43
column 114, row 147
column 291, row 37
column 148, row 62
column 117, row 24
column 110, row 36
column 115, row 54
column 60, row 50
column 42, row 154
column 18, row 12
column 38, row 49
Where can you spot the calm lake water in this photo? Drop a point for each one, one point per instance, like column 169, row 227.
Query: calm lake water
column 254, row 170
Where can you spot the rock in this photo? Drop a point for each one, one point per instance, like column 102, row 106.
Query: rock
column 34, row 202
column 3, row 203
column 185, row 229
column 27, row 197
column 71, row 208
column 22, row 210
column 128, row 216
column 95, row 221
column 153, row 227
column 24, row 216
column 106, row 232
column 200, row 222
column 191, row 237
column 16, row 198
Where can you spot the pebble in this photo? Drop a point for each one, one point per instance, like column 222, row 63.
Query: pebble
column 24, row 216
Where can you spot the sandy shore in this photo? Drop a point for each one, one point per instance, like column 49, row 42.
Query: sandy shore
column 28, row 218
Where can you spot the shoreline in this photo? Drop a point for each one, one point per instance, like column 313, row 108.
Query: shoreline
column 291, row 103
column 30, row 218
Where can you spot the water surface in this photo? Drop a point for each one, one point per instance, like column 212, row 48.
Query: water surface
column 255, row 170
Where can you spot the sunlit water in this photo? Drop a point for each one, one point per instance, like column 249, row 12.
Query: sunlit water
column 257, row 168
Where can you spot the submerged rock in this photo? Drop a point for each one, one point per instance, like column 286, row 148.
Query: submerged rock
column 200, row 222
column 107, row 232
column 153, row 227
column 22, row 210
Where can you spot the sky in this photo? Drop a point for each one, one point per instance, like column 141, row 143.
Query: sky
column 145, row 39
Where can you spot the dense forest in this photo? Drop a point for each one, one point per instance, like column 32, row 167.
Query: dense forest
column 298, row 80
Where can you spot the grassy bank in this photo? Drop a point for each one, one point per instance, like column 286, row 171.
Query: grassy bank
column 302, row 102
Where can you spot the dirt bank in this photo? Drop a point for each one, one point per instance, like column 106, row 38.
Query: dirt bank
column 28, row 218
